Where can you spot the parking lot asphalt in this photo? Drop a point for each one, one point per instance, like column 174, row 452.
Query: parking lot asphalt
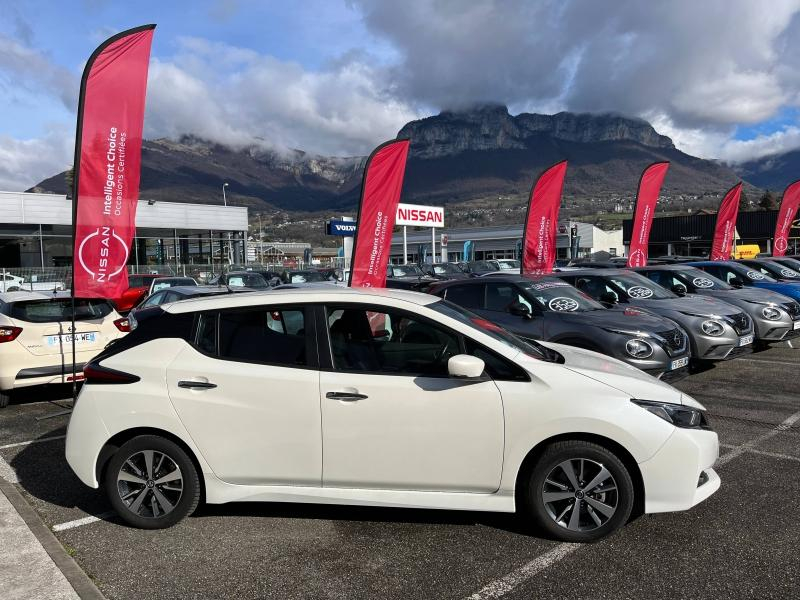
column 741, row 543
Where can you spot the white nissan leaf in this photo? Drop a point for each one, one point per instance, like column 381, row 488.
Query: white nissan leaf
column 378, row 398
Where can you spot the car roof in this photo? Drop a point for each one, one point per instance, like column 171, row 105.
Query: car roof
column 304, row 294
column 496, row 276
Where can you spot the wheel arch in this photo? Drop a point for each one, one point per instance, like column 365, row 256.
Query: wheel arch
column 618, row 449
column 117, row 440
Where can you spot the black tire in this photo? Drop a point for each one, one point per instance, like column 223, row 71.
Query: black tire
column 154, row 497
column 595, row 458
column 5, row 398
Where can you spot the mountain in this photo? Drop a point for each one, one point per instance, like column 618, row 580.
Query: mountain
column 773, row 172
column 483, row 156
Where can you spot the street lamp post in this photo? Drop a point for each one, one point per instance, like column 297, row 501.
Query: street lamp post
column 225, row 202
column 224, row 198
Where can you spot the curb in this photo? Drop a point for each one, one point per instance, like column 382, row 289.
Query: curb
column 76, row 577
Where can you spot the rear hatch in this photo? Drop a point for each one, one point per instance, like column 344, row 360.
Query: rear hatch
column 47, row 325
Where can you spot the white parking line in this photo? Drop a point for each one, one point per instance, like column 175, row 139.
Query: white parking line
column 770, row 362
column 764, row 453
column 83, row 521
column 47, row 439
column 504, row 585
column 747, row 446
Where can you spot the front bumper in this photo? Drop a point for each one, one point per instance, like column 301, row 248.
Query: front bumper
column 673, row 478
column 774, row 331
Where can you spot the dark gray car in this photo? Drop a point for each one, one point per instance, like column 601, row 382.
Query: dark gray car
column 717, row 330
column 548, row 309
column 776, row 317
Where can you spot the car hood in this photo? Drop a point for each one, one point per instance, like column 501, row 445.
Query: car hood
column 691, row 303
column 787, row 289
column 623, row 318
column 615, row 374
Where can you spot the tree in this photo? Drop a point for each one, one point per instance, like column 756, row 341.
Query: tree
column 768, row 201
column 69, row 178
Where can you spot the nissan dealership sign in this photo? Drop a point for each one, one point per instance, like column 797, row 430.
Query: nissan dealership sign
column 420, row 216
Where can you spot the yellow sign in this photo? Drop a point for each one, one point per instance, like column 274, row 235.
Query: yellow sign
column 746, row 251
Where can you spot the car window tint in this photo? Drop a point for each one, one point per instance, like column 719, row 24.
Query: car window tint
column 154, row 300
column 499, row 296
column 171, row 297
column 468, row 296
column 207, row 333
column 271, row 336
column 389, row 343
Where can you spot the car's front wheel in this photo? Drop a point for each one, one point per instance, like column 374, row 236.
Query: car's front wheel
column 152, row 483
column 579, row 491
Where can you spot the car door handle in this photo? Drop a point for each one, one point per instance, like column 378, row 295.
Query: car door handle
column 196, row 385
column 347, row 396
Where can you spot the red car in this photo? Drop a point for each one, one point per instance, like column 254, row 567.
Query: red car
column 138, row 286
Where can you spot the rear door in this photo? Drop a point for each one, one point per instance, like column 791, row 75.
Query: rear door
column 247, row 391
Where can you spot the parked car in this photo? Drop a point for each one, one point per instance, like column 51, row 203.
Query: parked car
column 786, row 261
column 775, row 317
column 446, row 270
column 177, row 293
column 717, row 330
column 740, row 275
column 14, row 283
column 248, row 279
column 546, row 308
column 479, row 267
column 36, row 337
column 203, row 398
column 304, row 276
column 138, row 288
column 167, row 282
column 777, row 271
column 273, row 278
column 408, row 277
column 507, row 264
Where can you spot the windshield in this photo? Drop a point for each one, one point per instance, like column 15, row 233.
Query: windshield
column 140, row 280
column 638, row 287
column 508, row 265
column 498, row 333
column 251, row 280
column 305, row 277
column 792, row 263
column 696, row 279
column 482, row 267
column 58, row 309
column 446, row 269
column 160, row 284
column 748, row 272
column 405, row 271
column 779, row 271
column 558, row 296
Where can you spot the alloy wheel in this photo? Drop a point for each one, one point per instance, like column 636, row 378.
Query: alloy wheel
column 580, row 494
column 150, row 483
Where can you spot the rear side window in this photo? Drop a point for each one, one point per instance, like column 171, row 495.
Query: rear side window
column 468, row 296
column 58, row 309
column 271, row 335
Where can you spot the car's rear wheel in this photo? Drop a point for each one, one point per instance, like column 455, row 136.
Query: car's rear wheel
column 152, row 483
column 579, row 491
column 5, row 398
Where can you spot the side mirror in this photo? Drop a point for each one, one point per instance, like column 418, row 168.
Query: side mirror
column 608, row 298
column 518, row 309
column 464, row 366
column 737, row 282
column 679, row 289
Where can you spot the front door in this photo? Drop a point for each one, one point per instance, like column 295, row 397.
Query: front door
column 391, row 416
column 248, row 393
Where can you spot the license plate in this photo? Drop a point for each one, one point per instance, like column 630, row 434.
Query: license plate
column 796, row 325
column 745, row 340
column 66, row 338
column 677, row 364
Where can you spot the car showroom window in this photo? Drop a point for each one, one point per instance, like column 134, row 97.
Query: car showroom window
column 268, row 335
column 468, row 295
column 389, row 342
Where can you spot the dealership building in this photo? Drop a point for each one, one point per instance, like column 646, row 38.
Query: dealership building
column 36, row 232
column 691, row 235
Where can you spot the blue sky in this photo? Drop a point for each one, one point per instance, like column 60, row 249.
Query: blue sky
column 721, row 77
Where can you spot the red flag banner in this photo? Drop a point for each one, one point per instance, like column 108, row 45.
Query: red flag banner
column 725, row 228
column 539, row 237
column 108, row 147
column 646, row 199
column 380, row 195
column 786, row 215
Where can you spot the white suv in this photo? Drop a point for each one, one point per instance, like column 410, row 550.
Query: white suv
column 381, row 398
column 36, row 337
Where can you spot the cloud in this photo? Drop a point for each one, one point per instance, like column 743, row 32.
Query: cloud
column 24, row 163
column 239, row 97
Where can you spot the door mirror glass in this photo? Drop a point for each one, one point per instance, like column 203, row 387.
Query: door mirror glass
column 608, row 298
column 463, row 366
column 519, row 309
column 679, row 289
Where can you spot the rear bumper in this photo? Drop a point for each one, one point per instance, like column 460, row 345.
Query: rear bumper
column 23, row 370
column 680, row 475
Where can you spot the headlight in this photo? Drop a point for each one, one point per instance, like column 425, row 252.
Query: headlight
column 714, row 328
column 638, row 348
column 676, row 414
column 771, row 313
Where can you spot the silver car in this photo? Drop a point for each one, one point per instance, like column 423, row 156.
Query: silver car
column 776, row 317
column 717, row 330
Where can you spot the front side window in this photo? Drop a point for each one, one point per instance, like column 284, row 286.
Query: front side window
column 389, row 342
column 266, row 335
